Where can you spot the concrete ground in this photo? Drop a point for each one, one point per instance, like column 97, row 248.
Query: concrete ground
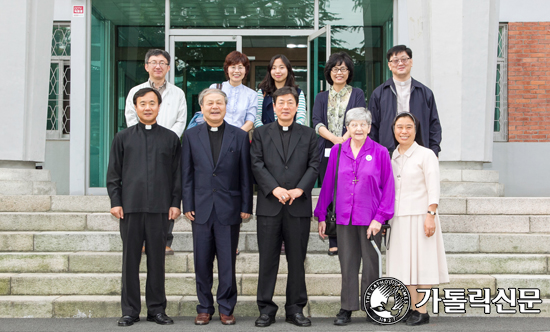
column 247, row 324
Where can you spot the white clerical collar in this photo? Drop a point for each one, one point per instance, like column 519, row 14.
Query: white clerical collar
column 148, row 127
column 405, row 83
column 213, row 128
column 285, row 128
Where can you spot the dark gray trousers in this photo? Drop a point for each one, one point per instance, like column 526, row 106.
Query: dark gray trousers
column 354, row 246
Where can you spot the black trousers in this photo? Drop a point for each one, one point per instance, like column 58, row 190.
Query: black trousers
column 212, row 239
column 136, row 228
column 294, row 231
column 170, row 236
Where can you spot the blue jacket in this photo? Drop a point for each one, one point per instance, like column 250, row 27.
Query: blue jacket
column 383, row 106
column 227, row 186
column 356, row 99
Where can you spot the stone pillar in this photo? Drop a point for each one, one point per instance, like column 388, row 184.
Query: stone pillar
column 26, row 38
column 454, row 46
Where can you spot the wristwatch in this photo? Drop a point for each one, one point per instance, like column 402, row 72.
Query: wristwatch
column 433, row 213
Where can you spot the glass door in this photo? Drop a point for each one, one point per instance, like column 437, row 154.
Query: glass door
column 318, row 44
column 197, row 62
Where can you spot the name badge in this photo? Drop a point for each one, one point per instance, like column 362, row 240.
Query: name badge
column 327, row 153
column 368, row 157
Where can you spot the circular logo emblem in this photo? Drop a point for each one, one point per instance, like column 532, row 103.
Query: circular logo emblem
column 369, row 157
column 387, row 301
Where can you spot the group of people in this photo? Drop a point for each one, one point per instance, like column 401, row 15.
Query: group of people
column 210, row 175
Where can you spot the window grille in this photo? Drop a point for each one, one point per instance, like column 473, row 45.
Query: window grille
column 59, row 108
column 500, row 133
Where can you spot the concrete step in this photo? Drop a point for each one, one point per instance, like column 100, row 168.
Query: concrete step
column 81, row 221
column 321, row 263
column 21, row 187
column 109, row 306
column 45, row 284
column 10, row 174
column 447, row 205
column 183, row 241
column 468, row 175
column 471, row 189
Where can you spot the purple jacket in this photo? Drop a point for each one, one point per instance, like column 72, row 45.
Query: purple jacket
column 372, row 197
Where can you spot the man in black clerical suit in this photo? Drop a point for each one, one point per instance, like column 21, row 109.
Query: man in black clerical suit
column 285, row 164
column 217, row 195
column 144, row 184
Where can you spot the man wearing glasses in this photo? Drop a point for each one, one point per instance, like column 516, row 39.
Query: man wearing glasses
column 173, row 110
column 402, row 93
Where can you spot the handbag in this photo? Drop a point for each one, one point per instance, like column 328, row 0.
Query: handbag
column 330, row 219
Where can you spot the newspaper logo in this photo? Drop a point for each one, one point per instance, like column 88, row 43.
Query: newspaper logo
column 387, row 301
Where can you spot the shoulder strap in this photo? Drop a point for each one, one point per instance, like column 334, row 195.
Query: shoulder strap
column 336, row 179
column 218, row 86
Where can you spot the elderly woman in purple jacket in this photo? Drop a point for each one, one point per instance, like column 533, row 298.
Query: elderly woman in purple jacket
column 365, row 200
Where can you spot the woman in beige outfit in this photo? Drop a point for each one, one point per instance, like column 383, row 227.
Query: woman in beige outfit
column 416, row 255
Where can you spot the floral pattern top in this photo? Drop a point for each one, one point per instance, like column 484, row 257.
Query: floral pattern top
column 336, row 109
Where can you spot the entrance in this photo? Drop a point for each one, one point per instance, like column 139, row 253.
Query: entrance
column 197, row 61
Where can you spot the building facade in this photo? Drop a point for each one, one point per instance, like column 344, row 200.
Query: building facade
column 483, row 60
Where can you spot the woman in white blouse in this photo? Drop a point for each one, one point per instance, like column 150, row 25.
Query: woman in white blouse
column 242, row 102
column 416, row 255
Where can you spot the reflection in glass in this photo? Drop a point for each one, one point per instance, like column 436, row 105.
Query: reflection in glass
column 242, row 14
column 197, row 66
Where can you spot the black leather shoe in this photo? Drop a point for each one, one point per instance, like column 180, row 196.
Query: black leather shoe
column 127, row 320
column 418, row 319
column 407, row 315
column 264, row 320
column 160, row 318
column 343, row 318
column 298, row 319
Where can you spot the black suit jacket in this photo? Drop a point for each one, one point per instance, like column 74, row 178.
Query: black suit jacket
column 271, row 170
column 226, row 185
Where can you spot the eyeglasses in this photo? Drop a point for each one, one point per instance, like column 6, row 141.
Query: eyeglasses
column 342, row 70
column 402, row 60
column 154, row 63
column 355, row 125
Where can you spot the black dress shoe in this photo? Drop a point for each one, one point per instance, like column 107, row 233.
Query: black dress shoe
column 298, row 319
column 264, row 320
column 407, row 315
column 160, row 318
column 343, row 318
column 127, row 320
column 418, row 319
column 333, row 253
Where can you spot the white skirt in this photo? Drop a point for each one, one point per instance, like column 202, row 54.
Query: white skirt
column 414, row 258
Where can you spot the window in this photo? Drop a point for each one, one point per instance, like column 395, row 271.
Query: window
column 501, row 91
column 59, row 108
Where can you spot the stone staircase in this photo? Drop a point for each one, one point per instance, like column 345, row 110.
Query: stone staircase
column 26, row 182
column 60, row 256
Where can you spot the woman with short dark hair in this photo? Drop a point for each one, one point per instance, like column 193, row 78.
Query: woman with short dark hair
column 242, row 101
column 329, row 113
column 417, row 254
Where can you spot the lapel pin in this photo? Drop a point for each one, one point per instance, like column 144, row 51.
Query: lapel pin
column 369, row 157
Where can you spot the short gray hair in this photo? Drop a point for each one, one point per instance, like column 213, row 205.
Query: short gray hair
column 358, row 114
column 207, row 92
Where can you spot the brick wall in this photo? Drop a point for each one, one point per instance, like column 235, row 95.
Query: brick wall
column 529, row 82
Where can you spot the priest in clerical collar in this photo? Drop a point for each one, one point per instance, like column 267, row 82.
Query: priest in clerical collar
column 285, row 164
column 217, row 196
column 144, row 184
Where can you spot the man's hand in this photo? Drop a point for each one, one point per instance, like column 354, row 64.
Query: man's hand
column 373, row 229
column 245, row 215
column 322, row 228
column 190, row 215
column 173, row 213
column 281, row 194
column 117, row 212
column 294, row 193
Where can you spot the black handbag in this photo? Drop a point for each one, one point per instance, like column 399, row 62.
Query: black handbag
column 330, row 219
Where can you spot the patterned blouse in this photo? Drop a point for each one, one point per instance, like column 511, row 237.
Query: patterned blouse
column 336, row 108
